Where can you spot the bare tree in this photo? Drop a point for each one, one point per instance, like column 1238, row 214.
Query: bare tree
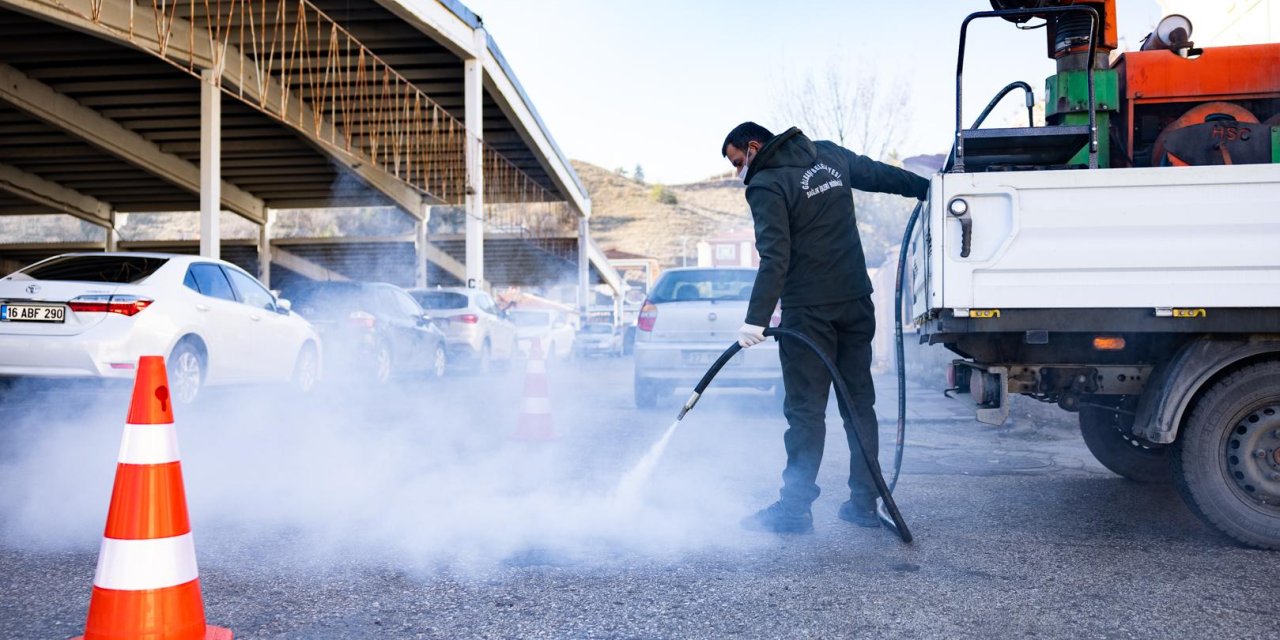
column 860, row 111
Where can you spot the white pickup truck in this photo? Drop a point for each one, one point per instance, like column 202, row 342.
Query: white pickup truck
column 1140, row 290
column 1148, row 300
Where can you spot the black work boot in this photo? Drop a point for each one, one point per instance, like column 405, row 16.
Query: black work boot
column 861, row 512
column 780, row 517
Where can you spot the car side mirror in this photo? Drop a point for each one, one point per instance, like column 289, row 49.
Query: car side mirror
column 283, row 306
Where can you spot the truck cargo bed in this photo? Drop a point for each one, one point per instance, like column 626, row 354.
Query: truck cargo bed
column 1148, row 238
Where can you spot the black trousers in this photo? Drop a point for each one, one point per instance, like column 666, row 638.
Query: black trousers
column 843, row 331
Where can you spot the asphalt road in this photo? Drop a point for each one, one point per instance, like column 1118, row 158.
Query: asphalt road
column 414, row 513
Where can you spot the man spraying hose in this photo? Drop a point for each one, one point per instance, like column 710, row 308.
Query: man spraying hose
column 800, row 193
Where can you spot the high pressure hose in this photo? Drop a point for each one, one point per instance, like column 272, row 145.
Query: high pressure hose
column 888, row 510
column 899, row 352
column 894, row 517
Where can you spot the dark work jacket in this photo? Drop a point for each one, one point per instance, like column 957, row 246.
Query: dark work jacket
column 802, row 204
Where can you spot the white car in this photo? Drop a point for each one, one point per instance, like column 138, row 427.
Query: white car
column 598, row 338
column 92, row 315
column 692, row 315
column 550, row 327
column 478, row 332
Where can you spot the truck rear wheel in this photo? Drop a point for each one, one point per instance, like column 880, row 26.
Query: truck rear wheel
column 1227, row 460
column 1108, row 435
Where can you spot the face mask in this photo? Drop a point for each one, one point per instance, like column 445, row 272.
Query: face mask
column 742, row 173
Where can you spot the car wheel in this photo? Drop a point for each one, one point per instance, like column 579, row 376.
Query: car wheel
column 186, row 372
column 504, row 364
column 646, row 393
column 485, row 362
column 306, row 371
column 1226, row 463
column 439, row 362
column 382, row 363
column 1108, row 436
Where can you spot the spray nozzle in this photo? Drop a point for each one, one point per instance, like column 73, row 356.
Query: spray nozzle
column 688, row 404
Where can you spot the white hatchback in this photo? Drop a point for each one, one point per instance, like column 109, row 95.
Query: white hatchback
column 92, row 315
column 692, row 315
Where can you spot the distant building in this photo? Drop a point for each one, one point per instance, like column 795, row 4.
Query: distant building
column 1229, row 22
column 638, row 273
column 733, row 249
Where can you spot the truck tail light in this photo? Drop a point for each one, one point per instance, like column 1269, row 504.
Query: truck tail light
column 466, row 318
column 648, row 316
column 123, row 305
column 1108, row 343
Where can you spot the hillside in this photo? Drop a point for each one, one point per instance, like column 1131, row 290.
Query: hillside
column 635, row 217
column 630, row 216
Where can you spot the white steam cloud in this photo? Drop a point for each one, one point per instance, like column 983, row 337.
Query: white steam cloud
column 424, row 477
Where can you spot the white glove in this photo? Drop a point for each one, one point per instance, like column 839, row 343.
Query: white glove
column 750, row 335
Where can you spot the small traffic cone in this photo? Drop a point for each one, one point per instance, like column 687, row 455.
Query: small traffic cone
column 146, row 586
column 535, row 422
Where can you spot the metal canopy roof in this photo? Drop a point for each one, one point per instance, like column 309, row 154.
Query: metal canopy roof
column 326, row 103
column 148, row 96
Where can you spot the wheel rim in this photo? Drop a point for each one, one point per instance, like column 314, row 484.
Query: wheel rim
column 306, row 377
column 1251, row 455
column 438, row 364
column 184, row 380
column 382, row 370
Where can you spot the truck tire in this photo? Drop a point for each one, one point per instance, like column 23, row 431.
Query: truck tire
column 1108, row 436
column 1226, row 463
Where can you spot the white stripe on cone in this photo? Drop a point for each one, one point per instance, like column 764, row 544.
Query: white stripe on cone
column 537, row 405
column 135, row 565
column 149, row 444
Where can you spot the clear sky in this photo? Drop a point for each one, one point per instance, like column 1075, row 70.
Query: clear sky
column 660, row 82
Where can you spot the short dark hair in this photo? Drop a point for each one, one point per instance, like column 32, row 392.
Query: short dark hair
column 744, row 134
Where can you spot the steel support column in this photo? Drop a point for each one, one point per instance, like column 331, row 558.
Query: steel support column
column 420, row 249
column 473, row 92
column 113, row 232
column 210, row 164
column 264, row 248
column 584, row 267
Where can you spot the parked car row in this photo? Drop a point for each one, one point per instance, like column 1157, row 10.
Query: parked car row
column 92, row 315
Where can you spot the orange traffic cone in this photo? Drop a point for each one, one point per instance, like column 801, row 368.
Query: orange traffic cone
column 535, row 421
column 146, row 586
